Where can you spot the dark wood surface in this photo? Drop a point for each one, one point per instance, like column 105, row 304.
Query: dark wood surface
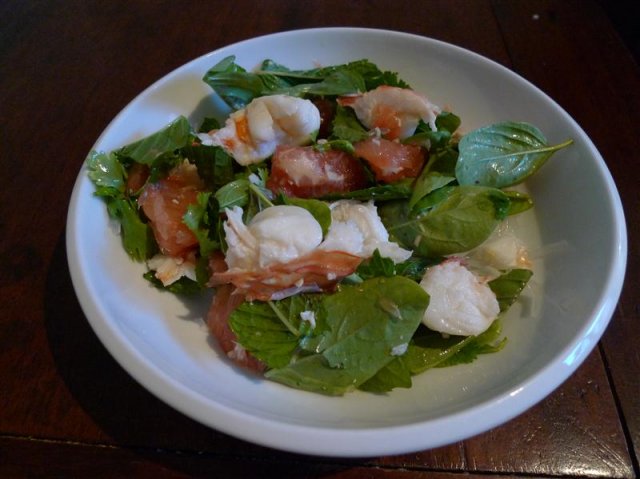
column 68, row 67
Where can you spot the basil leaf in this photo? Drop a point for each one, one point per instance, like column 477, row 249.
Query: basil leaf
column 396, row 374
column 261, row 330
column 502, row 154
column 461, row 219
column 364, row 323
column 518, row 202
column 345, row 126
column 393, row 191
column 509, row 286
column 376, row 266
column 426, row 183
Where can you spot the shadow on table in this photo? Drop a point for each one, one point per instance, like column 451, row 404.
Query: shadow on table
column 132, row 417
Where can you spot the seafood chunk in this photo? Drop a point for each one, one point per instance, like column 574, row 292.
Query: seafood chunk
column 395, row 111
column 357, row 229
column 461, row 303
column 278, row 234
column 252, row 134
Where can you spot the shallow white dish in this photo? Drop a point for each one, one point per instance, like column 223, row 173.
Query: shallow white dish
column 163, row 343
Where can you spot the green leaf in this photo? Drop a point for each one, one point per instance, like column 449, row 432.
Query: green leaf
column 183, row 286
column 502, row 154
column 364, row 322
column 232, row 83
column 509, row 286
column 201, row 218
column 137, row 236
column 234, row 193
column 473, row 346
column 176, row 135
column 426, row 183
column 208, row 124
column 106, row 173
column 434, row 141
column 518, row 202
column 393, row 191
column 345, row 126
column 429, row 349
column 396, row 374
column 108, row 176
column 376, row 266
column 261, row 331
column 215, row 166
column 461, row 219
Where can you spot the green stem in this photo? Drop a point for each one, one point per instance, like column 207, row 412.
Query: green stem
column 282, row 318
column 261, row 196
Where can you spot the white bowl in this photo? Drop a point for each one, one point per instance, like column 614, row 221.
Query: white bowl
column 576, row 233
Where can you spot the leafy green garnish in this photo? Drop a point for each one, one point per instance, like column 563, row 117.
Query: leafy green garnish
column 237, row 87
column 393, row 191
column 175, row 135
column 452, row 219
column 503, row 154
column 345, row 126
column 362, row 325
column 201, row 218
column 509, row 286
column 183, row 286
column 108, row 175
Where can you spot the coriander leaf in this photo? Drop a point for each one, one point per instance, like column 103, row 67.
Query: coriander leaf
column 106, row 173
column 137, row 236
column 376, row 266
column 345, row 126
column 201, row 218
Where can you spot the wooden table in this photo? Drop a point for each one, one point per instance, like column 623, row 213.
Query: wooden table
column 68, row 67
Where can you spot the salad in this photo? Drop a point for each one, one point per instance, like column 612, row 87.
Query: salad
column 353, row 234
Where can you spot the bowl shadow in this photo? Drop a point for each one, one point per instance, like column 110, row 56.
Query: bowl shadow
column 126, row 412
